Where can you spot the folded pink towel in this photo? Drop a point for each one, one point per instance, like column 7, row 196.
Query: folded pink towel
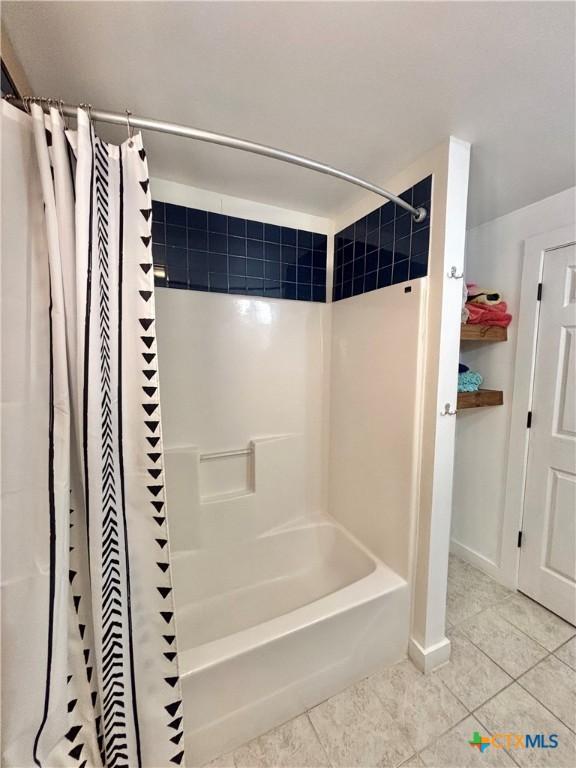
column 488, row 314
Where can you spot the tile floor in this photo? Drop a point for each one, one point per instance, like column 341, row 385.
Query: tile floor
column 513, row 669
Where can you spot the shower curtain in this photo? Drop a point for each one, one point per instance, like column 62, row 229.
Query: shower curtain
column 107, row 691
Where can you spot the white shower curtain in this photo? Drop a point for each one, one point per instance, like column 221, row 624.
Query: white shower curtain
column 106, row 691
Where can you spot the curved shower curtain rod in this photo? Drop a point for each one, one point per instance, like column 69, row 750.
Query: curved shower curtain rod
column 145, row 123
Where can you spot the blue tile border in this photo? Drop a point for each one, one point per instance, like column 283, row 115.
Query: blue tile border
column 203, row 251
column 383, row 248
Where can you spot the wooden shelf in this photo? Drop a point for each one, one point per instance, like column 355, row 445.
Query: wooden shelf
column 480, row 398
column 474, row 332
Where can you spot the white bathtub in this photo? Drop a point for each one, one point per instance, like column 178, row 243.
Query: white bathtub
column 270, row 626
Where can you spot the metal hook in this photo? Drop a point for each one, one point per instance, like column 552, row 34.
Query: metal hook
column 26, row 100
column 87, row 108
column 130, row 129
column 447, row 411
column 64, row 119
column 453, row 274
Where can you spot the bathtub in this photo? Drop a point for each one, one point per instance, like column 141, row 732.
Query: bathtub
column 271, row 626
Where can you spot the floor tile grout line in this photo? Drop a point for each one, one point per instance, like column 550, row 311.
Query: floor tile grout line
column 319, row 739
column 531, row 693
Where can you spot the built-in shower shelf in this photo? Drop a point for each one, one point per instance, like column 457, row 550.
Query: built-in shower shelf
column 480, row 399
column 476, row 332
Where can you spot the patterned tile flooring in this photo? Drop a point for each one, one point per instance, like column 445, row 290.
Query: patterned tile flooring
column 512, row 669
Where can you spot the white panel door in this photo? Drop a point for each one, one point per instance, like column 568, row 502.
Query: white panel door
column 548, row 555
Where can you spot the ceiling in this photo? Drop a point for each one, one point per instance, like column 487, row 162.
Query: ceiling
column 364, row 86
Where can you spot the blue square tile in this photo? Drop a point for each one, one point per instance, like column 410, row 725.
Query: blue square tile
column 198, row 279
column 384, row 277
column 359, row 249
column 272, row 289
column 289, row 272
column 196, row 219
column 419, row 266
column 318, row 293
column 387, row 213
column 304, row 292
column 348, row 252
column 272, row 233
column 372, row 261
column 422, row 192
column 197, row 239
column 237, row 265
column 347, row 289
column 272, row 252
column 319, row 259
column 288, row 254
column 198, row 260
column 236, row 227
column 272, row 270
column 175, row 214
column 385, row 257
column 406, row 196
column 348, row 271
column 338, row 274
column 402, row 226
column 372, row 240
column 218, row 283
column 338, row 259
column 420, row 241
column 255, row 230
column 387, row 235
column 217, row 223
column 158, row 232
column 218, row 262
column 402, row 249
column 337, row 293
column 289, row 290
column 373, row 220
column 255, row 286
column 158, row 211
column 237, row 246
column 304, row 274
column 255, row 268
column 370, row 281
column 176, row 236
column 304, row 256
column 304, row 239
column 401, row 271
column 158, row 253
column 319, row 241
column 237, row 284
column 358, row 285
column 359, row 267
column 338, row 242
column 177, row 267
column 318, row 276
column 360, row 229
column 255, row 249
column 289, row 236
column 217, row 243
column 347, row 234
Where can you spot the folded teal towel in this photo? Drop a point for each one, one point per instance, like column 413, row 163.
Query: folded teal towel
column 470, row 381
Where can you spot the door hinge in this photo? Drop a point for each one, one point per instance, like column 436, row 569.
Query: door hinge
column 539, row 294
column 529, row 420
column 519, row 538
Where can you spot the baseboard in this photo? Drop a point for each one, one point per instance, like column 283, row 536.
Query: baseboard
column 429, row 659
column 479, row 561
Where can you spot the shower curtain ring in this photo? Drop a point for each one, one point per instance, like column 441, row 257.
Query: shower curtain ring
column 130, row 129
column 26, row 101
column 64, row 119
column 87, row 108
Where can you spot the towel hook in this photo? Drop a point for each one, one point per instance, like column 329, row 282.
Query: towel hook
column 454, row 274
column 447, row 411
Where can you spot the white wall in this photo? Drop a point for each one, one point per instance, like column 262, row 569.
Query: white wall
column 494, row 254
column 235, row 368
column 373, row 445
